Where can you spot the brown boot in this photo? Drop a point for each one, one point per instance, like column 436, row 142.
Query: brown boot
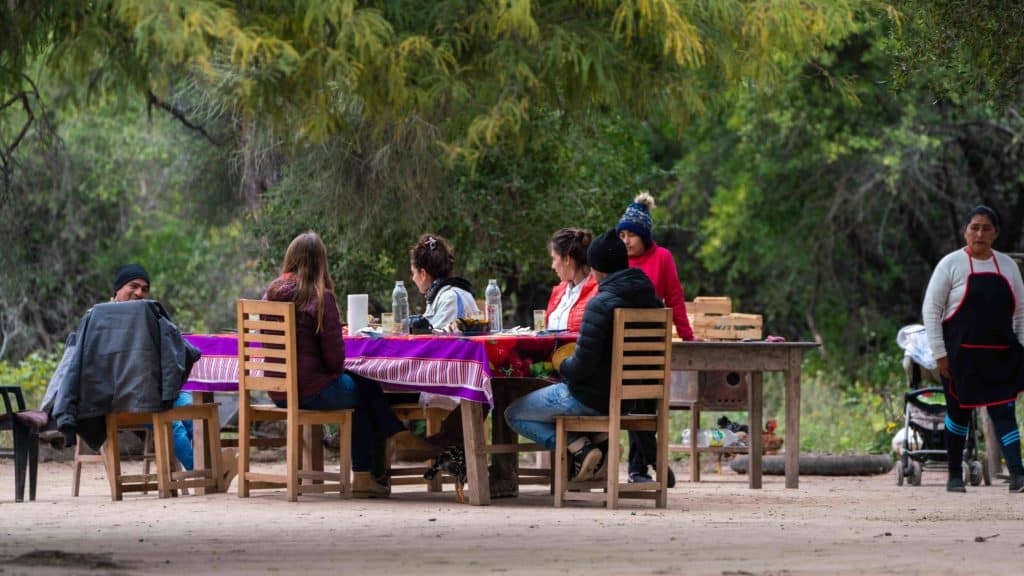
column 364, row 485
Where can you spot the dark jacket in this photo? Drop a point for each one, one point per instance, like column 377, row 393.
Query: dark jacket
column 321, row 356
column 130, row 357
column 588, row 370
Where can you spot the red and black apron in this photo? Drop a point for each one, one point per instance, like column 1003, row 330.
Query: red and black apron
column 985, row 356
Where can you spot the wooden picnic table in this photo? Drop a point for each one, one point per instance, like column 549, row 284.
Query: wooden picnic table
column 755, row 358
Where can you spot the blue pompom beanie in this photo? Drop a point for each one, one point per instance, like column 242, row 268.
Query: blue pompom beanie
column 637, row 218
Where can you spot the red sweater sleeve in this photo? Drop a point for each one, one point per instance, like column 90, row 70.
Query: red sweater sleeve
column 674, row 298
column 332, row 341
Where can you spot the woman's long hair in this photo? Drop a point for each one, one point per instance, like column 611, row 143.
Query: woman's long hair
column 306, row 262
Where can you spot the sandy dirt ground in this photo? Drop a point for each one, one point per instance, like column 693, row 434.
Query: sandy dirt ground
column 830, row 525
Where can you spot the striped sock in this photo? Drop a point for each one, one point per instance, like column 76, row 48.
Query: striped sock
column 956, row 438
column 1011, row 451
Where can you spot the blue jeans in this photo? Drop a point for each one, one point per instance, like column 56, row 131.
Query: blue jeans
column 182, row 431
column 533, row 415
column 373, row 421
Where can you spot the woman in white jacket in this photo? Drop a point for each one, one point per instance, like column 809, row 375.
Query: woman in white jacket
column 432, row 262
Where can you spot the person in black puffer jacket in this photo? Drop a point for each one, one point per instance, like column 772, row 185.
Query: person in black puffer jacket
column 586, row 387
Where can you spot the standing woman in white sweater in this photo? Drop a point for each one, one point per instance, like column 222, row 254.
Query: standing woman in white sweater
column 974, row 316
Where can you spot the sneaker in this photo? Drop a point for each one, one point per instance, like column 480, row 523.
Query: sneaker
column 639, row 478
column 1017, row 483
column 589, row 458
column 955, row 484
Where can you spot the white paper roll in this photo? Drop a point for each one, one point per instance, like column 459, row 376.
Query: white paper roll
column 358, row 305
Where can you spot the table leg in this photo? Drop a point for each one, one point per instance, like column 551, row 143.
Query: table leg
column 200, row 451
column 793, row 420
column 504, row 469
column 756, row 408
column 476, row 457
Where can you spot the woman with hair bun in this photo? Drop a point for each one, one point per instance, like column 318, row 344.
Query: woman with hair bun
column 568, row 248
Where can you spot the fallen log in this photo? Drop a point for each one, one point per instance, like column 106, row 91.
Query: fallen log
column 821, row 464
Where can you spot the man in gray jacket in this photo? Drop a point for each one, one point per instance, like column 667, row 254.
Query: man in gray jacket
column 130, row 357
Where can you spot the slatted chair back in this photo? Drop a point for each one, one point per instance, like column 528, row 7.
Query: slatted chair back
column 268, row 362
column 640, row 379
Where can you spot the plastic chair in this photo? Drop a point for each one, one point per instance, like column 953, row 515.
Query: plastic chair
column 24, row 426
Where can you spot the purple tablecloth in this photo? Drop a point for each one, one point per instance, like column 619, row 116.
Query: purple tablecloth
column 450, row 366
column 217, row 370
column 441, row 365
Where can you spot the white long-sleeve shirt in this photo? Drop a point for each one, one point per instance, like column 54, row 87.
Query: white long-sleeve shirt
column 948, row 287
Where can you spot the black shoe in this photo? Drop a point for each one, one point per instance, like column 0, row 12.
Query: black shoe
column 1016, row 482
column 955, row 484
column 639, row 478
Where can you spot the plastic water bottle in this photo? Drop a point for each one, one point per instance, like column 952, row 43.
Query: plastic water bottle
column 493, row 305
column 400, row 308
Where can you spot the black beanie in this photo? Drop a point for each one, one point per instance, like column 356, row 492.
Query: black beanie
column 126, row 274
column 607, row 253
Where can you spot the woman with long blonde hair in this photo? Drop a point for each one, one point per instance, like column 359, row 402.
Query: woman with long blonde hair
column 323, row 382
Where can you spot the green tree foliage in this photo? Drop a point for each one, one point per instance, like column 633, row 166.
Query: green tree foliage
column 826, row 205
column 971, row 53
column 108, row 188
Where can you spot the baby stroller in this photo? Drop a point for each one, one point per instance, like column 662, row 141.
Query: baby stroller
column 923, row 442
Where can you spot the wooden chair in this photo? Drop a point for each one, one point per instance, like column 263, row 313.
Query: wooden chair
column 164, row 482
column 403, row 475
column 82, row 458
column 171, row 477
column 267, row 361
column 641, row 370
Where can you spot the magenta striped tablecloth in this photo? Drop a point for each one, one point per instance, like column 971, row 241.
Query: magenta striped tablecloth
column 451, row 366
column 217, row 370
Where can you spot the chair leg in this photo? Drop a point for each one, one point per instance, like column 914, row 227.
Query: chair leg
column 20, row 434
column 33, row 463
column 614, row 448
column 164, row 452
column 244, row 431
column 111, row 451
column 561, row 462
column 76, row 468
column 293, row 458
column 147, row 453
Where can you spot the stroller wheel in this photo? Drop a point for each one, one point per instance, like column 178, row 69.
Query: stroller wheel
column 985, row 476
column 899, row 474
column 914, row 474
column 973, row 473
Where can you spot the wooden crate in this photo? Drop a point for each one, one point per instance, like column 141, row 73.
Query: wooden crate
column 733, row 326
column 710, row 305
